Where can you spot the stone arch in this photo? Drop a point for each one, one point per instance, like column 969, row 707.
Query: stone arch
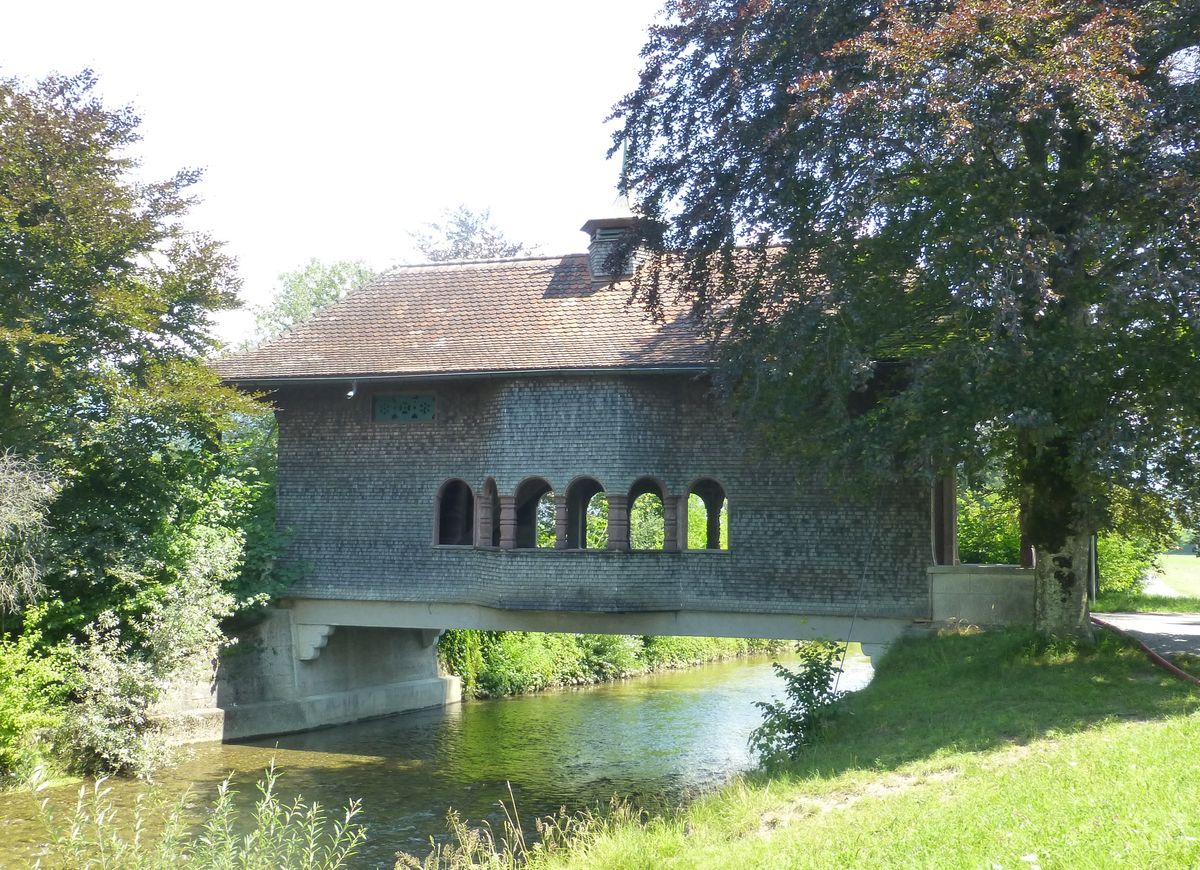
column 487, row 526
column 580, row 495
column 706, row 497
column 455, row 512
column 647, row 514
column 532, row 495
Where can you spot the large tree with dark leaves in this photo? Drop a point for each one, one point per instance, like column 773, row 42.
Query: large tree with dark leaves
column 933, row 233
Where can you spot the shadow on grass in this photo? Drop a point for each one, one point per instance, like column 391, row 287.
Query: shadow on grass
column 953, row 693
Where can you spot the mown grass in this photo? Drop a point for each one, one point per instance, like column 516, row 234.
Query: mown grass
column 1136, row 602
column 985, row 750
column 1181, row 573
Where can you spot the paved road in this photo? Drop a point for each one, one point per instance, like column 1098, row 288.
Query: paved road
column 1165, row 633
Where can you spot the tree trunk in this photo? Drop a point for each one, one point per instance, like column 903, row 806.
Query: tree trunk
column 1060, row 588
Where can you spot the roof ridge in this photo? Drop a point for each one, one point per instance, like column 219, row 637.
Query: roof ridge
column 500, row 260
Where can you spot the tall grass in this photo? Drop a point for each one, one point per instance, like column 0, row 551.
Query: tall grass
column 277, row 834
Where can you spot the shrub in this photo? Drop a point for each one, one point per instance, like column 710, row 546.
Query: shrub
column 31, row 704
column 1122, row 562
column 788, row 727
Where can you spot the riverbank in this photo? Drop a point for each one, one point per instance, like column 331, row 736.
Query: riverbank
column 992, row 750
column 494, row 664
column 658, row 740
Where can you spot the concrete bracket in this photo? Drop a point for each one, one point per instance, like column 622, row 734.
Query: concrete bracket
column 308, row 640
column 429, row 636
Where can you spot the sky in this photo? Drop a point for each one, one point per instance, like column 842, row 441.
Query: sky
column 332, row 130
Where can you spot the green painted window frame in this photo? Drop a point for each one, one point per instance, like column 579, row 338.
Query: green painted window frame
column 404, row 408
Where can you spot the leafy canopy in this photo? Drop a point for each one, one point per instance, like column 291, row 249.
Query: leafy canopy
column 463, row 234
column 930, row 233
column 304, row 291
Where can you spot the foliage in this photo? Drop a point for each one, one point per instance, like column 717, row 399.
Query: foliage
column 99, row 279
column 989, row 528
column 989, row 532
column 493, row 663
column 1122, row 563
column 544, row 517
column 646, row 523
column 296, row 835
column 789, row 727
column 698, row 523
column 303, row 292
column 463, row 234
column 31, row 698
column 930, row 234
column 26, row 491
column 105, row 313
column 596, row 522
column 108, row 726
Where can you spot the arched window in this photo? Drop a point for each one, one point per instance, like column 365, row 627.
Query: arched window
column 535, row 514
column 587, row 515
column 489, row 515
column 707, row 516
column 455, row 513
column 647, row 520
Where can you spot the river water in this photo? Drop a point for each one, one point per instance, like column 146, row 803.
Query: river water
column 654, row 740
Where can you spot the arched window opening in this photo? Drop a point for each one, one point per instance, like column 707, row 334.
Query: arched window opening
column 647, row 519
column 707, row 516
column 587, row 515
column 535, row 514
column 455, row 513
column 489, row 515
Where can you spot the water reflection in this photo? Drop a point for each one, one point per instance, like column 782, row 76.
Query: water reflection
column 652, row 739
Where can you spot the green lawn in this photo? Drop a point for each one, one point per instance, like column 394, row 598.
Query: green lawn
column 1181, row 573
column 986, row 750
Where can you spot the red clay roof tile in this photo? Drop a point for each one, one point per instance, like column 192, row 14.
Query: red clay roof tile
column 537, row 314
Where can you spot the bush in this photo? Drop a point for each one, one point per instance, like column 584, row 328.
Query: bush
column 1122, row 562
column 789, row 727
column 494, row 663
column 31, row 705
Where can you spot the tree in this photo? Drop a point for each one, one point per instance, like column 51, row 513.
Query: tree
column 98, row 277
column 26, row 491
column 940, row 233
column 129, row 507
column 303, row 292
column 464, row 234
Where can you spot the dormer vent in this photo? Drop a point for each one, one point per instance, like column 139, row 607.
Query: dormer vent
column 608, row 236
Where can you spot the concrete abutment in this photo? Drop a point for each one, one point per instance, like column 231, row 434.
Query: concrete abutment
column 283, row 676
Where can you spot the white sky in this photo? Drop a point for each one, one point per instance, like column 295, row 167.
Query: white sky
column 330, row 130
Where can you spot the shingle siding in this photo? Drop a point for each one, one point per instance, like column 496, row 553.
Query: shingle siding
column 358, row 497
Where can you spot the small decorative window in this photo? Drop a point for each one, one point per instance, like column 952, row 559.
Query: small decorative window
column 403, row 409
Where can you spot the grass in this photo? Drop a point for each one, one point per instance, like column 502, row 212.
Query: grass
column 983, row 750
column 1181, row 573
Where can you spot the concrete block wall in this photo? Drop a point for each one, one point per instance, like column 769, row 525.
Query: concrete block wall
column 982, row 594
column 358, row 497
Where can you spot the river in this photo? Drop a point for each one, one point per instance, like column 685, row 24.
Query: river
column 654, row 740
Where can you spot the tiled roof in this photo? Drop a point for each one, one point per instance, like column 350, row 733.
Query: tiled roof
column 538, row 314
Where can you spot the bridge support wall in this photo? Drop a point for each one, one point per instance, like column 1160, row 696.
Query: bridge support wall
column 282, row 677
